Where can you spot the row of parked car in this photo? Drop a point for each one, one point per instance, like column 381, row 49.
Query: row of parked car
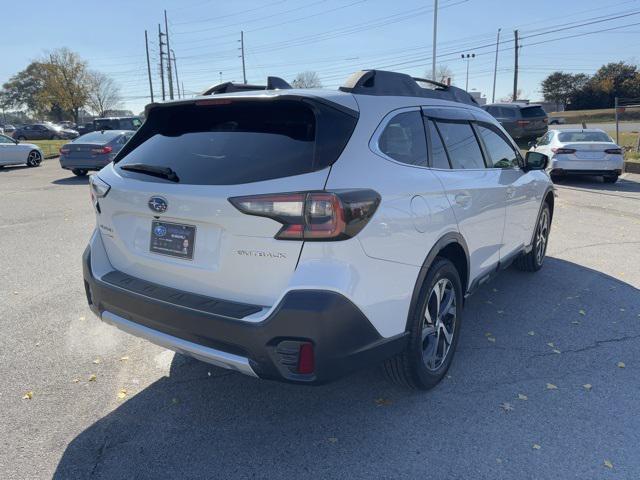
column 68, row 130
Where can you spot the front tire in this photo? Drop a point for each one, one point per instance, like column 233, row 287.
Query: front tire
column 532, row 261
column 433, row 330
column 34, row 159
column 610, row 179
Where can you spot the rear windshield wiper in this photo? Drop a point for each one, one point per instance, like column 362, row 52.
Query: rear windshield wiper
column 162, row 172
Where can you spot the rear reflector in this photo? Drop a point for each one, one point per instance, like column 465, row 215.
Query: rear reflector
column 613, row 151
column 306, row 359
column 336, row 215
column 561, row 151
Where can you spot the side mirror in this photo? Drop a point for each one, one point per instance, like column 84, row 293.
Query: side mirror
column 535, row 161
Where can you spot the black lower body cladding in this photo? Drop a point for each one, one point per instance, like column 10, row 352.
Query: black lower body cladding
column 343, row 339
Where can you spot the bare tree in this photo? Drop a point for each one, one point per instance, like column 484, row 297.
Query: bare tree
column 443, row 72
column 104, row 93
column 308, row 79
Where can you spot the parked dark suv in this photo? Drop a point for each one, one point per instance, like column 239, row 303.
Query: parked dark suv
column 522, row 121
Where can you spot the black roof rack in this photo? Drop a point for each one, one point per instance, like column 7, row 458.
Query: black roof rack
column 273, row 83
column 381, row 82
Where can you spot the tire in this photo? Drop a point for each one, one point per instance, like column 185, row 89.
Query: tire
column 610, row 179
column 34, row 159
column 532, row 261
column 22, row 138
column 427, row 358
column 56, row 137
column 79, row 172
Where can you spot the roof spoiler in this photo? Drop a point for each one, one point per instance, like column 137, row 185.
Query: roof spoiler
column 273, row 83
column 381, row 82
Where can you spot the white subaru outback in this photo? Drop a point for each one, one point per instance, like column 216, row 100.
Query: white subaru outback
column 301, row 234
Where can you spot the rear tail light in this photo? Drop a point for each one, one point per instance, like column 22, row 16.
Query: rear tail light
column 336, row 215
column 561, row 151
column 64, row 150
column 614, row 151
column 522, row 123
column 102, row 150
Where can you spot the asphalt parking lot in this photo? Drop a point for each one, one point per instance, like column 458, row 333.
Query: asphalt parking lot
column 545, row 383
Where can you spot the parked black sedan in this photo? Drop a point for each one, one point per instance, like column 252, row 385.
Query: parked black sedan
column 44, row 131
column 93, row 150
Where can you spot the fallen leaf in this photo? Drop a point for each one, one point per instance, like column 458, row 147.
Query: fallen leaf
column 551, row 386
column 15, row 293
column 81, row 318
column 382, row 402
column 495, row 289
column 96, row 361
column 576, row 322
column 551, row 344
column 621, row 365
column 75, row 380
column 507, row 407
column 536, row 446
column 622, row 310
column 92, row 377
column 488, row 334
column 28, row 395
column 489, row 302
column 582, row 312
column 122, row 393
column 332, row 439
column 500, row 311
column 174, row 401
column 531, row 333
column 522, row 397
column 491, row 339
column 608, row 464
column 555, row 350
column 587, row 387
column 124, row 359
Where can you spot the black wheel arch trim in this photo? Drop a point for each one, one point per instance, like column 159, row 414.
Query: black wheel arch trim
column 444, row 241
column 549, row 191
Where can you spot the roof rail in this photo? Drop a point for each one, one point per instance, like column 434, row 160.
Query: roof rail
column 273, row 83
column 381, row 82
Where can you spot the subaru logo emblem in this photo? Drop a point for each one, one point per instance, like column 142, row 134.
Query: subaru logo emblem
column 158, row 204
column 160, row 230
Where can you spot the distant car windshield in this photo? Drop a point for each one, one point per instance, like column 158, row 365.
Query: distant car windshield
column 584, row 137
column 529, row 112
column 99, row 137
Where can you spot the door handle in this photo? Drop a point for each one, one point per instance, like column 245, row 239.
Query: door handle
column 463, row 199
column 511, row 192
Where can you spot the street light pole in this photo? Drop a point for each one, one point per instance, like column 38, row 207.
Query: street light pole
column 468, row 58
column 495, row 69
column 435, row 37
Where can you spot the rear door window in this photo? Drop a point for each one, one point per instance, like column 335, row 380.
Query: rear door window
column 461, row 144
column 239, row 142
column 403, row 139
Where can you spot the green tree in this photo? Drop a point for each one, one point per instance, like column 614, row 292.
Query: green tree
column 559, row 87
column 23, row 89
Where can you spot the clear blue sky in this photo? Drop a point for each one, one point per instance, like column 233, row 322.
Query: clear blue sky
column 332, row 37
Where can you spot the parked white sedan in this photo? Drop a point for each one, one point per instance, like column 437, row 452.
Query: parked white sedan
column 13, row 152
column 581, row 152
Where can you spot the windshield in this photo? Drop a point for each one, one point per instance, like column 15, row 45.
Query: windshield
column 584, row 137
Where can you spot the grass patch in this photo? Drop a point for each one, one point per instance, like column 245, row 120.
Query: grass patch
column 50, row 148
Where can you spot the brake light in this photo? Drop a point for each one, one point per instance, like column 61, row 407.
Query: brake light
column 614, row 151
column 522, row 123
column 336, row 215
column 64, row 150
column 102, row 150
column 561, row 151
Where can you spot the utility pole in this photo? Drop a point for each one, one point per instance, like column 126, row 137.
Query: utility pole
column 182, row 89
column 495, row 69
column 244, row 73
column 161, row 43
column 146, row 44
column 169, row 75
column 515, row 70
column 175, row 70
column 468, row 58
column 435, row 36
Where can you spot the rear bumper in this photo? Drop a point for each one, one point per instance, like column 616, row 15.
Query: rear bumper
column 343, row 339
column 563, row 171
column 86, row 164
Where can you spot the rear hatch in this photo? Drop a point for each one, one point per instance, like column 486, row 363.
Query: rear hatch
column 533, row 118
column 181, row 230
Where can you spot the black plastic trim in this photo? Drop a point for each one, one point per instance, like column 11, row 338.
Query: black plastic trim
column 343, row 338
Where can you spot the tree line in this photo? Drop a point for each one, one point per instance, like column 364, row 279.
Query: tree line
column 58, row 86
column 582, row 92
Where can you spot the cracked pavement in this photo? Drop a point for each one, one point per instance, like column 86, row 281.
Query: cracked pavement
column 185, row 419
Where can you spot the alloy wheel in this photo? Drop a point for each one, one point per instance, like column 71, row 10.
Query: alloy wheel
column 34, row 159
column 542, row 236
column 439, row 323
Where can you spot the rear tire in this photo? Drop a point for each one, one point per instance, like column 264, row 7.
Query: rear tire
column 532, row 261
column 22, row 138
column 79, row 172
column 34, row 159
column 610, row 179
column 433, row 330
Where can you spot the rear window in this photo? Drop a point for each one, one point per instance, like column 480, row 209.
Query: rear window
column 98, row 137
column 530, row 112
column 584, row 137
column 241, row 142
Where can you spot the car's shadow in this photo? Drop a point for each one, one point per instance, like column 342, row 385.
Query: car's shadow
column 74, row 180
column 204, row 422
column 12, row 168
column 587, row 182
